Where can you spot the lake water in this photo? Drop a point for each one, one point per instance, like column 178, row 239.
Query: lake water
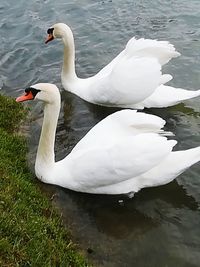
column 159, row 226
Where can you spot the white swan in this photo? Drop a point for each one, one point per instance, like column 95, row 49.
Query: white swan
column 131, row 80
column 123, row 153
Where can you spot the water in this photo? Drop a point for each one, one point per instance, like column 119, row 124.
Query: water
column 159, row 226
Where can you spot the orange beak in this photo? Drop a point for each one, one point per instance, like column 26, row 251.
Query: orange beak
column 49, row 38
column 25, row 97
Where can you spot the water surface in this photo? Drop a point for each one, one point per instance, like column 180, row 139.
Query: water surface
column 159, row 226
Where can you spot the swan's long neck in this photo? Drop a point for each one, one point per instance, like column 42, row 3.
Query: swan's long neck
column 45, row 159
column 68, row 69
column 70, row 81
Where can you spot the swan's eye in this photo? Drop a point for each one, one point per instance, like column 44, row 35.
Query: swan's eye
column 32, row 90
column 50, row 30
column 27, row 90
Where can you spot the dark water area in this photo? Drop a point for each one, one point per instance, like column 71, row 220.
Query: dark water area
column 159, row 226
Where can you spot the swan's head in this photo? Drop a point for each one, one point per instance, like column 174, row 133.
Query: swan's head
column 46, row 92
column 58, row 30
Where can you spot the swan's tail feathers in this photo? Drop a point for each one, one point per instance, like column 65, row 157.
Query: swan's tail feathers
column 165, row 96
column 184, row 159
column 162, row 50
column 174, row 165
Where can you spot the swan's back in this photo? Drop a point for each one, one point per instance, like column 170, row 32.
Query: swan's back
column 120, row 125
column 163, row 51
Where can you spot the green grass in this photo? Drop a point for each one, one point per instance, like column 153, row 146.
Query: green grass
column 32, row 233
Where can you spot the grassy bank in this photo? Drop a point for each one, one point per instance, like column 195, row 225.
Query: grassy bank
column 31, row 231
